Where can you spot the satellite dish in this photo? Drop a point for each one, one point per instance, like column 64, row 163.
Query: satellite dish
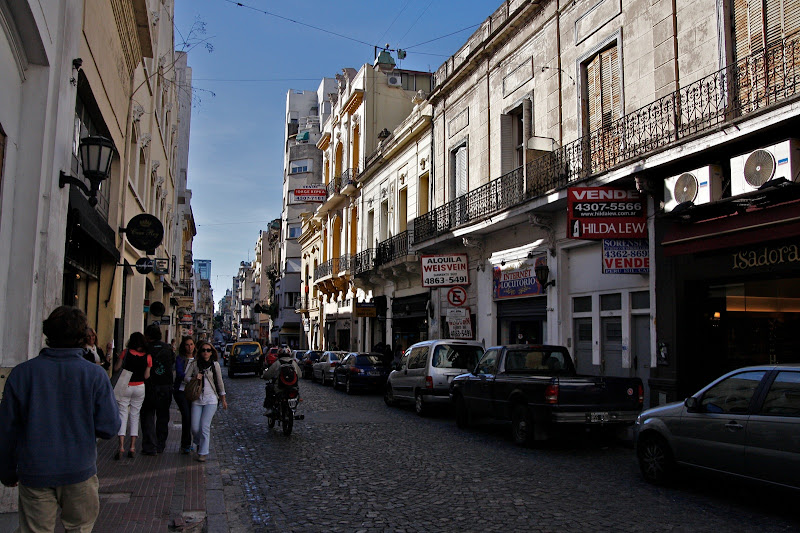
column 157, row 309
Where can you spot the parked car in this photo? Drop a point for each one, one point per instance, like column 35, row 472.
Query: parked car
column 362, row 371
column 311, row 357
column 226, row 352
column 537, row 389
column 245, row 356
column 426, row 369
column 298, row 355
column 745, row 424
column 324, row 367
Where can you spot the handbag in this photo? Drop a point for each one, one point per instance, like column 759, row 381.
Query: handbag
column 122, row 382
column 193, row 389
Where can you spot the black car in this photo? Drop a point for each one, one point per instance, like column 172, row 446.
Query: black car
column 308, row 360
column 362, row 371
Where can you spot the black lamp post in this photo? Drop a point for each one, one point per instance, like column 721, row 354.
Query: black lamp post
column 96, row 155
column 542, row 272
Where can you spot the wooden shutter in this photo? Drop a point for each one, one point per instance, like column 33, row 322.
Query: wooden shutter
column 741, row 30
column 461, row 171
column 507, row 148
column 594, row 94
column 610, row 79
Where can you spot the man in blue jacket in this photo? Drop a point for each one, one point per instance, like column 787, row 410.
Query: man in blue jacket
column 54, row 407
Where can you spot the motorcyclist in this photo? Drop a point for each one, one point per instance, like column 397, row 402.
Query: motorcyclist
column 271, row 375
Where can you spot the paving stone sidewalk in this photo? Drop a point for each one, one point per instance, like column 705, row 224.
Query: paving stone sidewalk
column 166, row 492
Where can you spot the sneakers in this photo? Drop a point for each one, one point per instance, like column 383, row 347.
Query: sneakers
column 186, row 451
column 200, row 458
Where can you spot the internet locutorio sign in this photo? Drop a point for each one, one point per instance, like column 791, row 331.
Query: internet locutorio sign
column 516, row 281
column 445, row 270
column 605, row 213
column 315, row 193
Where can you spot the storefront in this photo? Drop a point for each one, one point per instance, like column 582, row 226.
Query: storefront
column 337, row 333
column 409, row 320
column 736, row 295
column 521, row 303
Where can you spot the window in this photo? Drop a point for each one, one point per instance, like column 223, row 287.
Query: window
column 582, row 304
column 294, row 231
column 603, row 106
column 459, row 183
column 488, row 363
column 512, row 147
column 456, row 356
column 292, row 298
column 302, row 165
column 611, row 302
column 422, row 195
column 418, row 357
column 640, row 300
column 733, row 394
column 783, row 398
column 762, row 24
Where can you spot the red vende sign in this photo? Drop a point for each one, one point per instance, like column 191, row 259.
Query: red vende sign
column 605, row 213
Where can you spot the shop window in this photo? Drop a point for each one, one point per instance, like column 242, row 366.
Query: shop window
column 640, row 300
column 582, row 304
column 611, row 302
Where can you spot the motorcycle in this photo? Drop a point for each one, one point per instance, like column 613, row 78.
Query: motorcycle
column 285, row 401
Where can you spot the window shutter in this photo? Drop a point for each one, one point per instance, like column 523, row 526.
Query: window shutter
column 755, row 10
column 791, row 17
column 741, row 30
column 461, row 171
column 610, row 79
column 507, row 148
column 594, row 94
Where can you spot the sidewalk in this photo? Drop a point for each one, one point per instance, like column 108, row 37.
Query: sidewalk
column 167, row 492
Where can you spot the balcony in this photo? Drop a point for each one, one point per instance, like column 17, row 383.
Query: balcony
column 333, row 276
column 334, row 187
column 364, row 262
column 348, row 181
column 392, row 248
column 754, row 84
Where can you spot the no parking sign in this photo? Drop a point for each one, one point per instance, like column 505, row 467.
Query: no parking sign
column 457, row 296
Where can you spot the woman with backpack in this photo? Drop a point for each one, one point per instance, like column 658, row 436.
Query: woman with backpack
column 212, row 391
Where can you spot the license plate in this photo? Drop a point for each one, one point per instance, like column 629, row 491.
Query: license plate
column 374, row 372
column 293, row 403
column 598, row 417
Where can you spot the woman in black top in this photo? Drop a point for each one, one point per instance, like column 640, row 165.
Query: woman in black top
column 131, row 398
column 94, row 353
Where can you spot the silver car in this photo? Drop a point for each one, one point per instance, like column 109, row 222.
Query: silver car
column 424, row 373
column 323, row 369
column 746, row 423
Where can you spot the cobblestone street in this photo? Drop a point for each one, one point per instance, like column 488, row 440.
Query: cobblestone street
column 354, row 464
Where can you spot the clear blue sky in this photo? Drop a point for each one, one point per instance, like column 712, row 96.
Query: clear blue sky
column 249, row 57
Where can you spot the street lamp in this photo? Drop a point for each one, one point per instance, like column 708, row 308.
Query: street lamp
column 96, row 154
column 542, row 272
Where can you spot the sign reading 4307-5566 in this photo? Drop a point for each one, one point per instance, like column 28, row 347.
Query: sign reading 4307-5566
column 444, row 270
column 605, row 213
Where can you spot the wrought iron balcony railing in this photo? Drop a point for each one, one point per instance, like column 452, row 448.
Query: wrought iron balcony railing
column 334, row 186
column 349, row 177
column 323, row 270
column 753, row 84
column 344, row 263
column 392, row 248
column 364, row 261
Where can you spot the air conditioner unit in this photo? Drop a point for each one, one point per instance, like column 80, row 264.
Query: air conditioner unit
column 699, row 186
column 751, row 171
column 395, row 80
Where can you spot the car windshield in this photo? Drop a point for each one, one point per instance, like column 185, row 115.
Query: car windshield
column 246, row 349
column 368, row 360
column 313, row 356
column 456, row 356
column 525, row 360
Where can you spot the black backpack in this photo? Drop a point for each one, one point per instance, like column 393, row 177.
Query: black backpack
column 163, row 369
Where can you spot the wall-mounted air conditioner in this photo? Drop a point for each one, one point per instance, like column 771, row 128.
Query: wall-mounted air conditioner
column 699, row 186
column 751, row 171
column 394, row 80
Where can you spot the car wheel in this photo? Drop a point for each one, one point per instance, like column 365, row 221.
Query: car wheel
column 655, row 459
column 419, row 405
column 388, row 396
column 348, row 387
column 463, row 420
column 335, row 383
column 522, row 425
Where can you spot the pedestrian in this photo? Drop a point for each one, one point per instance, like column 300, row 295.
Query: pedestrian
column 186, row 354
column 54, row 407
column 130, row 400
column 206, row 368
column 94, row 353
column 157, row 393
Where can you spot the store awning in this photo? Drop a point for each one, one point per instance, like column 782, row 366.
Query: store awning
column 302, row 136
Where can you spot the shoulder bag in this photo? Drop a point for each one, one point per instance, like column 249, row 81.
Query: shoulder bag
column 194, row 388
column 123, row 379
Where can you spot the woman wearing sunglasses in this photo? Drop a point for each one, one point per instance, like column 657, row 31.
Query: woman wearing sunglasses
column 205, row 368
column 186, row 354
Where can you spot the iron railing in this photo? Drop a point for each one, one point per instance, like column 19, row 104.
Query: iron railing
column 392, row 248
column 349, row 177
column 752, row 84
column 364, row 261
column 323, row 269
column 344, row 263
column 334, row 186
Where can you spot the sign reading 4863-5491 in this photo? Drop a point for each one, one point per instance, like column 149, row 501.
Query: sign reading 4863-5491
column 444, row 270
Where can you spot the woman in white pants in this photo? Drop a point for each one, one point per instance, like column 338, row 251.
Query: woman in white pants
column 131, row 398
column 206, row 368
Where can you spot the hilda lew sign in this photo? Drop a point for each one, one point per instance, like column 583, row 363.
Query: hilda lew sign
column 605, row 213
column 445, row 270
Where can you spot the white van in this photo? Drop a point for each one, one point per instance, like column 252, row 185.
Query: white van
column 424, row 373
